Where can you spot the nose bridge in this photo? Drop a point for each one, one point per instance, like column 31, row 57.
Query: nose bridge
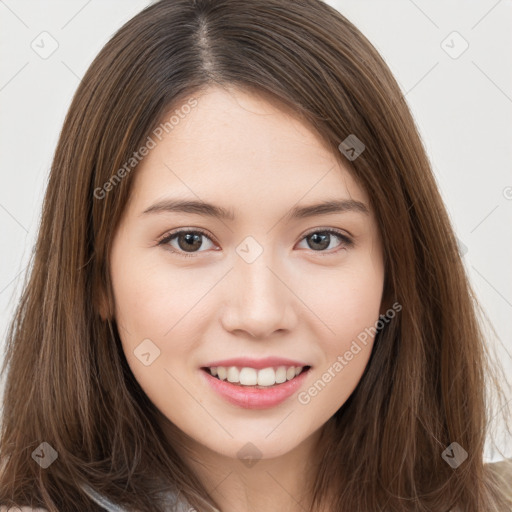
column 259, row 301
column 259, row 284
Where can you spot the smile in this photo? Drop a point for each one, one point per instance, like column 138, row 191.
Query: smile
column 264, row 377
column 255, row 396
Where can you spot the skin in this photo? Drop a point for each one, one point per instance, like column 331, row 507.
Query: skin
column 243, row 151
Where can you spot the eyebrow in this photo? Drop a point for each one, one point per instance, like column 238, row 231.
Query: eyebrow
column 298, row 212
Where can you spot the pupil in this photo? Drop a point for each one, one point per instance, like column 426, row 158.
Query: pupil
column 324, row 243
column 191, row 239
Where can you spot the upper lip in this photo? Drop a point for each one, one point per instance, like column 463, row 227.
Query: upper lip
column 258, row 364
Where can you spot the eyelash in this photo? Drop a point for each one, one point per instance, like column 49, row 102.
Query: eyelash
column 347, row 242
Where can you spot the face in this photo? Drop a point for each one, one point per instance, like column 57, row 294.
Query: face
column 276, row 284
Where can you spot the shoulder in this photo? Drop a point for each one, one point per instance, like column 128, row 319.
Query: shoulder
column 502, row 469
column 500, row 474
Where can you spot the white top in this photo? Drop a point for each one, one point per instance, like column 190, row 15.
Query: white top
column 502, row 468
column 172, row 501
column 174, row 505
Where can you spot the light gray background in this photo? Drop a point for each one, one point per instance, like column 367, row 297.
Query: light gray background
column 462, row 107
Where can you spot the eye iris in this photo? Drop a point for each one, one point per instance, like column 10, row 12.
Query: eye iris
column 193, row 241
column 190, row 241
column 316, row 240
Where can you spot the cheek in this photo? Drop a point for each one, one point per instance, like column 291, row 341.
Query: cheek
column 155, row 302
column 351, row 312
column 152, row 303
column 349, row 305
column 151, row 296
column 347, row 299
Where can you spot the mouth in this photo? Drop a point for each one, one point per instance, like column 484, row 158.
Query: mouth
column 247, row 377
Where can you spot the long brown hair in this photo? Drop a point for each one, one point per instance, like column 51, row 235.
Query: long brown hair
column 68, row 382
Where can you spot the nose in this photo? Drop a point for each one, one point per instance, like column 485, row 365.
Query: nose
column 259, row 301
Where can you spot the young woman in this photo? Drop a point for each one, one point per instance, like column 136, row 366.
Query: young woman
column 246, row 293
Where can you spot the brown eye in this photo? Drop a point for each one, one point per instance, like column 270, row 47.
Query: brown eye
column 320, row 241
column 187, row 241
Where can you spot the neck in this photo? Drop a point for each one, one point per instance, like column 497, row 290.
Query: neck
column 281, row 484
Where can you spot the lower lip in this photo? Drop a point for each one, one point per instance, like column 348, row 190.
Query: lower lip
column 254, row 398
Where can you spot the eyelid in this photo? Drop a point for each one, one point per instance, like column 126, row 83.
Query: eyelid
column 341, row 233
column 347, row 240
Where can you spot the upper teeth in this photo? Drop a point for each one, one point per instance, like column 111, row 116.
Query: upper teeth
column 252, row 377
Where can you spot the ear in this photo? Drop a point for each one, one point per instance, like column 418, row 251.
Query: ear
column 386, row 302
column 102, row 305
column 103, row 310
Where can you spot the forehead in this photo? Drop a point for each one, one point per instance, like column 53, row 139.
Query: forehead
column 239, row 145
